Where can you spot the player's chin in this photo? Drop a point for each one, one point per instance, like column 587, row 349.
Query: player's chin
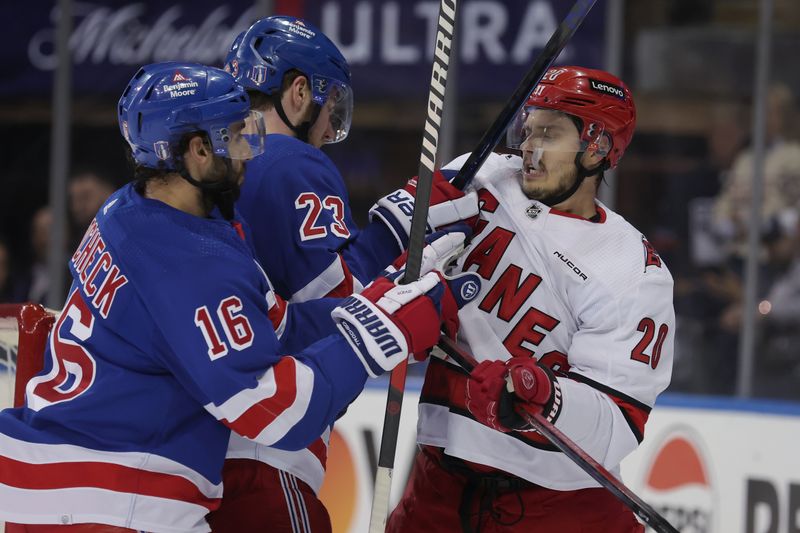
column 535, row 189
column 534, row 181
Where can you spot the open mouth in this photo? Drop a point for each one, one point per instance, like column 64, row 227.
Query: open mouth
column 530, row 172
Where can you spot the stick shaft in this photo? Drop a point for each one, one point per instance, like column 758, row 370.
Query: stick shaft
column 416, row 242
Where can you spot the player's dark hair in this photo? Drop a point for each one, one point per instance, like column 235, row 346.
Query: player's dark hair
column 259, row 100
column 143, row 174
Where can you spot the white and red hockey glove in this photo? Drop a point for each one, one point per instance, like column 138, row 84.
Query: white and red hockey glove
column 499, row 391
column 448, row 205
column 387, row 322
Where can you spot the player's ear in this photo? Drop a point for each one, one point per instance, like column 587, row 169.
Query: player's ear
column 300, row 91
column 198, row 154
column 198, row 147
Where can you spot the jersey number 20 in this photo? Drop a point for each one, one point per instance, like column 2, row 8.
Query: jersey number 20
column 648, row 327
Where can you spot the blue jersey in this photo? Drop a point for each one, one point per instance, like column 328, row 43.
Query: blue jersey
column 296, row 203
column 165, row 344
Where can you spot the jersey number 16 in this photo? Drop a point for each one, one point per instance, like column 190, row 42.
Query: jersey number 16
column 235, row 324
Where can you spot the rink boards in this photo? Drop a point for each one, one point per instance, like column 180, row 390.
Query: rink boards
column 709, row 465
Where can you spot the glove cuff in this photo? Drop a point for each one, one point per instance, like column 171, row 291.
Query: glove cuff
column 511, row 405
column 552, row 408
column 395, row 210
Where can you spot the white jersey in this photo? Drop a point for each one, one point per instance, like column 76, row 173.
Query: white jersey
column 589, row 298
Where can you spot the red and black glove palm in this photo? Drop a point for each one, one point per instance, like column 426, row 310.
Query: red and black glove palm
column 498, row 391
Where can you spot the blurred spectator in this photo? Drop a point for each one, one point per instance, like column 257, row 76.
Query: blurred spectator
column 87, row 192
column 731, row 210
column 720, row 296
column 778, row 371
column 37, row 281
column 680, row 232
column 710, row 289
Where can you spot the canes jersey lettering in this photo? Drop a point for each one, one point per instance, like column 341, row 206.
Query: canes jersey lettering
column 166, row 343
column 587, row 298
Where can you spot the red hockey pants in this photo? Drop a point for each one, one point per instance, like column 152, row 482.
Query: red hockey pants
column 258, row 497
column 447, row 497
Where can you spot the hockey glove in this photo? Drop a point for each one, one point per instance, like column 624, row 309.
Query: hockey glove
column 386, row 322
column 499, row 391
column 448, row 205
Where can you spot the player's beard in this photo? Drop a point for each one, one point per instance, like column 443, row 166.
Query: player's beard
column 548, row 194
column 227, row 187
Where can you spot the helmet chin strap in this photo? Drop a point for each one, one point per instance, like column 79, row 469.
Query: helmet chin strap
column 301, row 130
column 221, row 193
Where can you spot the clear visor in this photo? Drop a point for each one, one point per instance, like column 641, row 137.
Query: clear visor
column 336, row 100
column 245, row 138
column 539, row 130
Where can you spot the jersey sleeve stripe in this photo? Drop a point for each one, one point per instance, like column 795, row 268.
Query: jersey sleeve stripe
column 635, row 412
column 329, row 279
column 346, row 287
column 320, row 450
column 276, row 313
column 610, row 391
column 270, row 410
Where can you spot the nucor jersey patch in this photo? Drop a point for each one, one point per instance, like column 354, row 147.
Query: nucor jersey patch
column 570, row 265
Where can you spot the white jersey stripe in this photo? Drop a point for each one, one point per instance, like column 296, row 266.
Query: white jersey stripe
column 329, row 279
column 89, row 505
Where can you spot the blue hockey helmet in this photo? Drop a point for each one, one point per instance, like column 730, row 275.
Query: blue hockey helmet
column 165, row 101
column 261, row 56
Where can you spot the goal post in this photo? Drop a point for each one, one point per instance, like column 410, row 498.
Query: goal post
column 23, row 338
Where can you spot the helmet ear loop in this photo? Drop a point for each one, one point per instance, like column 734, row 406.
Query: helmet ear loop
column 603, row 147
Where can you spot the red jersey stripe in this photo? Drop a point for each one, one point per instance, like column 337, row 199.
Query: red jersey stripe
column 109, row 476
column 253, row 421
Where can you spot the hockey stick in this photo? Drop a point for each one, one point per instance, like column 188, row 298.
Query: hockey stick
column 430, row 140
column 551, row 50
column 598, row 472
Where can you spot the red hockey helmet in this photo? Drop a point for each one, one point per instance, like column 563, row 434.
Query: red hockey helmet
column 600, row 100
